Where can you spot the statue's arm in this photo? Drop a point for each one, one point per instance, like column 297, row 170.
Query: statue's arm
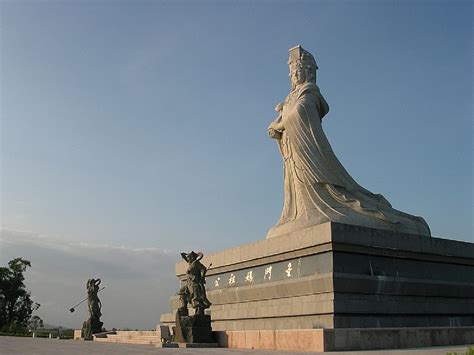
column 277, row 124
column 274, row 134
column 276, row 127
column 203, row 275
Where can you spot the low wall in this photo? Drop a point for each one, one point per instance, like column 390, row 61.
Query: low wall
column 319, row 340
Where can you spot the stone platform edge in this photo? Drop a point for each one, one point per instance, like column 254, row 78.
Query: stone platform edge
column 324, row 237
column 319, row 340
column 187, row 345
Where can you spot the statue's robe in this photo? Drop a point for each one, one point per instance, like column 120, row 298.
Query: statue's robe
column 317, row 188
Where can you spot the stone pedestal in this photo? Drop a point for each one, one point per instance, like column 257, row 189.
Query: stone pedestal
column 91, row 327
column 77, row 334
column 336, row 276
column 193, row 329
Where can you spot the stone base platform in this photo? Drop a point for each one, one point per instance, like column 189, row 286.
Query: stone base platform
column 334, row 276
column 193, row 329
column 319, row 340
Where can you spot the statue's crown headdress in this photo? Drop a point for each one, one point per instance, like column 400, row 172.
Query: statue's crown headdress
column 299, row 54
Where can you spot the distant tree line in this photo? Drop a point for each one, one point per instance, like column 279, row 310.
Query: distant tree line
column 16, row 306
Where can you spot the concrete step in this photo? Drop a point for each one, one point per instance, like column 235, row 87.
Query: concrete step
column 136, row 338
column 137, row 332
column 129, row 341
column 133, row 337
column 152, row 337
column 132, row 341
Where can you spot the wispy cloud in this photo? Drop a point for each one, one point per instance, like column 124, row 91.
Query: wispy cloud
column 19, row 237
column 139, row 281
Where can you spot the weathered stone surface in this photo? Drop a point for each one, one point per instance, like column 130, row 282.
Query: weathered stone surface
column 300, row 340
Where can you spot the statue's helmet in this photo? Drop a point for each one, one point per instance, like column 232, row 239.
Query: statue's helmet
column 195, row 256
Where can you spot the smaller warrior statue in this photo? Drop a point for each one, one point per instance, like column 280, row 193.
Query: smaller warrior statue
column 93, row 325
column 92, row 299
column 194, row 292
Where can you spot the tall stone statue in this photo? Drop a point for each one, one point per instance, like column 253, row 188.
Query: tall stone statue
column 317, row 188
column 93, row 325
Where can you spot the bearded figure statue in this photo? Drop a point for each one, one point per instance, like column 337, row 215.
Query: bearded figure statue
column 317, row 188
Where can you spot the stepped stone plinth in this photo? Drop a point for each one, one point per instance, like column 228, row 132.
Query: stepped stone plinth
column 143, row 337
column 339, row 276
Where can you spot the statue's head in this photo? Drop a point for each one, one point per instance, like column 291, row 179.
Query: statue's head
column 93, row 284
column 192, row 256
column 302, row 66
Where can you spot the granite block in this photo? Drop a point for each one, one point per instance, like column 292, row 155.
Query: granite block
column 266, row 339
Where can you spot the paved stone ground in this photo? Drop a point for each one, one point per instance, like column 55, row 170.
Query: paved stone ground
column 17, row 345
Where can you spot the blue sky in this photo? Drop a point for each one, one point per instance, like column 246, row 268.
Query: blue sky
column 143, row 123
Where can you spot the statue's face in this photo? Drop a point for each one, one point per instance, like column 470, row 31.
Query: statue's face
column 297, row 75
